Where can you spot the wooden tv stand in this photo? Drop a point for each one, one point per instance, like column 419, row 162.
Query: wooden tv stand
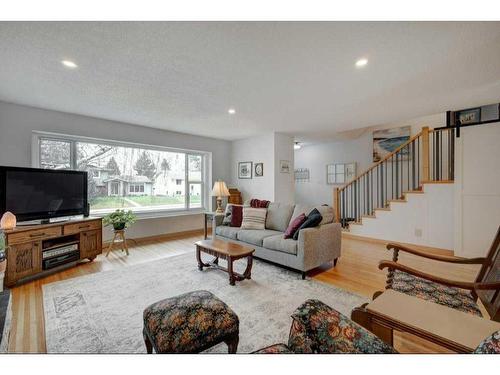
column 26, row 243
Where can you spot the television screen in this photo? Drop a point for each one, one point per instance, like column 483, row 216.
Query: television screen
column 32, row 194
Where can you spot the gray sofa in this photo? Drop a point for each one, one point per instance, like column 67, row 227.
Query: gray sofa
column 314, row 246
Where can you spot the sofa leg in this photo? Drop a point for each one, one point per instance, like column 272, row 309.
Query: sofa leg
column 303, row 275
column 335, row 262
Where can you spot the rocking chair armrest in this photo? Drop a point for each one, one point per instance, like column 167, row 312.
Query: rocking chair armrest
column 441, row 258
column 457, row 284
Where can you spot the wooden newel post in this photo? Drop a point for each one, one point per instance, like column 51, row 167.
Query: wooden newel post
column 425, row 154
column 336, row 204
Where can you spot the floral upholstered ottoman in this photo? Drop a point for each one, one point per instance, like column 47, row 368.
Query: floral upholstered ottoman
column 190, row 323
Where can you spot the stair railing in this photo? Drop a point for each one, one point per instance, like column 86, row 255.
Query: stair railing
column 427, row 156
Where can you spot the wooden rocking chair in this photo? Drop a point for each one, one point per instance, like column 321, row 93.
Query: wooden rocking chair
column 455, row 294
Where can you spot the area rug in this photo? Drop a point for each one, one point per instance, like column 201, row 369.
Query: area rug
column 102, row 312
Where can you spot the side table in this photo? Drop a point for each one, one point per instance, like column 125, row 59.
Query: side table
column 212, row 215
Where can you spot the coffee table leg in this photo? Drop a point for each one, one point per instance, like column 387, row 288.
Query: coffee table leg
column 230, row 270
column 198, row 258
column 248, row 271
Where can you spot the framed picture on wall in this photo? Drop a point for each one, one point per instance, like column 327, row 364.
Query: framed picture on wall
column 284, row 166
column 259, row 169
column 340, row 173
column 468, row 116
column 245, row 169
column 387, row 140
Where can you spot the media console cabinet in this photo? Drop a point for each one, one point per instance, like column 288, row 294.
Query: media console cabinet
column 35, row 249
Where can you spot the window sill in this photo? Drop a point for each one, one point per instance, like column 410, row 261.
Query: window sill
column 144, row 215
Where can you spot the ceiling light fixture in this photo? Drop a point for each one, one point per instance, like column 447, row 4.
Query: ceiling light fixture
column 231, row 111
column 296, row 146
column 69, row 64
column 361, row 62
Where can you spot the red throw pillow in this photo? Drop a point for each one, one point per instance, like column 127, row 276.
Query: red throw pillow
column 237, row 216
column 295, row 225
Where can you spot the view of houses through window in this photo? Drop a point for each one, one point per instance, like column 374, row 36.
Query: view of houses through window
column 128, row 177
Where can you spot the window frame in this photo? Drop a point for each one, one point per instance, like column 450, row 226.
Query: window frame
column 206, row 167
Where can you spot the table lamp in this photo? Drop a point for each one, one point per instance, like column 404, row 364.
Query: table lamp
column 219, row 191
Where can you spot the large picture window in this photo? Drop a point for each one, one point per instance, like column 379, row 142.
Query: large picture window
column 124, row 176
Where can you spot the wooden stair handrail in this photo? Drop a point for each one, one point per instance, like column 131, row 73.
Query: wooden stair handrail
column 424, row 133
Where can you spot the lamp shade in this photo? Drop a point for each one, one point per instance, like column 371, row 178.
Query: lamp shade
column 8, row 221
column 220, row 189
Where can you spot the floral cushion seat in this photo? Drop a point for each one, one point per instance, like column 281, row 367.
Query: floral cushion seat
column 274, row 349
column 317, row 328
column 490, row 345
column 455, row 298
column 190, row 323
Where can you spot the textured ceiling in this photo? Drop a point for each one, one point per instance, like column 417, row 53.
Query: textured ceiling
column 293, row 77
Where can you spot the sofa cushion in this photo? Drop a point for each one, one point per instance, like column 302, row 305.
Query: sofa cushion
column 313, row 219
column 295, row 225
column 255, row 237
column 236, row 216
column 228, row 232
column 278, row 216
column 254, row 218
column 325, row 211
column 279, row 243
column 228, row 213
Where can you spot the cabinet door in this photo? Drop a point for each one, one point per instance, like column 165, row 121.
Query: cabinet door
column 90, row 244
column 23, row 260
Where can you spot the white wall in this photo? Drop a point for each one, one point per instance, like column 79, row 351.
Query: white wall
column 268, row 149
column 17, row 123
column 359, row 150
column 257, row 150
column 425, row 219
column 477, row 193
column 284, row 183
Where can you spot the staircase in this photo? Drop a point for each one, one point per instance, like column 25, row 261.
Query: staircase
column 416, row 174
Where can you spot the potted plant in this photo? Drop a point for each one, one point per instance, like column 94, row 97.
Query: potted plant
column 3, row 260
column 120, row 219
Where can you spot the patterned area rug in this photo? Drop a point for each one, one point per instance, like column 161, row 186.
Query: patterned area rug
column 102, row 312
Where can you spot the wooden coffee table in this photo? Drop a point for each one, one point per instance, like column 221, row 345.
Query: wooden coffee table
column 228, row 251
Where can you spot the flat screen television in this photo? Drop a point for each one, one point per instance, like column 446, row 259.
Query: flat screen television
column 42, row 194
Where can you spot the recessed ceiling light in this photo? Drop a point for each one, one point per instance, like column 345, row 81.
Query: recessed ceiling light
column 69, row 64
column 361, row 62
column 231, row 111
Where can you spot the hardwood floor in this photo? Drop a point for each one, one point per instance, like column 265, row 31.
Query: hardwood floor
column 356, row 271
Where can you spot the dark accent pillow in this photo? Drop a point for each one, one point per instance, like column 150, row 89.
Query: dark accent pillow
column 257, row 203
column 294, row 225
column 313, row 220
column 237, row 216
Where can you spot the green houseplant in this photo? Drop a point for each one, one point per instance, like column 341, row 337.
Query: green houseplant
column 120, row 219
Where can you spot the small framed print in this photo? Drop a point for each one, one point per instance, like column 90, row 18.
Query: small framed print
column 259, row 169
column 468, row 116
column 284, row 166
column 245, row 169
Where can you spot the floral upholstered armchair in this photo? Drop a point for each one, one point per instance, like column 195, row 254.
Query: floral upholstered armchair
column 317, row 328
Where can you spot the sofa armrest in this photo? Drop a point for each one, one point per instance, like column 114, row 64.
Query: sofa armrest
column 319, row 245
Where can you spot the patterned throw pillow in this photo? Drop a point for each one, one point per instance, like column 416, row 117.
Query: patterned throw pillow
column 254, row 218
column 295, row 225
column 236, row 216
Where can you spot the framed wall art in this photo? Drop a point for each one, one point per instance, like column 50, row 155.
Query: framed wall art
column 387, row 140
column 259, row 170
column 284, row 166
column 340, row 173
column 245, row 169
